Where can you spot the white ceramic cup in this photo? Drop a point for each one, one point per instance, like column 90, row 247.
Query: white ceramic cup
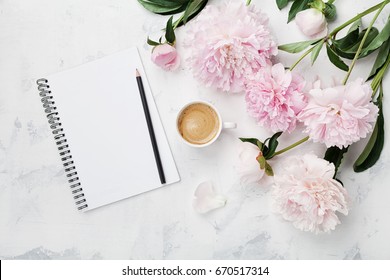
column 222, row 125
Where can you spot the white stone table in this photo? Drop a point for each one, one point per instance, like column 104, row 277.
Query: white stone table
column 38, row 219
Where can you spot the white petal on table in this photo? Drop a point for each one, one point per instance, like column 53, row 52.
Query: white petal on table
column 206, row 199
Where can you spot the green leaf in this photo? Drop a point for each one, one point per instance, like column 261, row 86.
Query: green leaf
column 378, row 40
column 164, row 7
column 273, row 144
column 192, row 12
column 316, row 51
column 373, row 149
column 335, row 59
column 268, row 169
column 261, row 160
column 317, row 4
column 335, row 155
column 152, row 43
column 381, row 58
column 192, row 7
column 356, row 25
column 350, row 51
column 165, row 3
column 330, row 12
column 265, row 149
column 281, row 3
column 350, row 39
column 169, row 32
column 253, row 141
column 297, row 47
column 265, row 165
column 296, row 7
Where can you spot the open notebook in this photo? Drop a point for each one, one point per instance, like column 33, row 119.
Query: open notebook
column 97, row 119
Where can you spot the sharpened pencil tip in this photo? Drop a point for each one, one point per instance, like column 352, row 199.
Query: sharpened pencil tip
column 137, row 74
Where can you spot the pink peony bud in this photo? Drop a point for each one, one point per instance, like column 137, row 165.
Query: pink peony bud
column 166, row 57
column 312, row 23
column 248, row 167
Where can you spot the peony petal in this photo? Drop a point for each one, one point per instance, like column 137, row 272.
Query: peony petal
column 321, row 34
column 174, row 64
column 206, row 199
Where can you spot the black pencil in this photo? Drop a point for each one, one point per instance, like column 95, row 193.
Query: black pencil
column 150, row 127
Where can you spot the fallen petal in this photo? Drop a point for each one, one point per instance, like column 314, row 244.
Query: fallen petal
column 206, row 199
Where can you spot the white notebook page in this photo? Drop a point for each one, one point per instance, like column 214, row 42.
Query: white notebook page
column 103, row 119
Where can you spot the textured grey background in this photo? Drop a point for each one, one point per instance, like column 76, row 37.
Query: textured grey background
column 38, row 219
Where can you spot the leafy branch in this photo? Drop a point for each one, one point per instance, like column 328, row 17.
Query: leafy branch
column 368, row 40
column 188, row 8
column 297, row 6
column 356, row 44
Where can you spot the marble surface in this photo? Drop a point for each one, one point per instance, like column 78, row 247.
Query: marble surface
column 38, row 219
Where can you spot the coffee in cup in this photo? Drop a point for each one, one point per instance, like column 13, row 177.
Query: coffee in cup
column 199, row 124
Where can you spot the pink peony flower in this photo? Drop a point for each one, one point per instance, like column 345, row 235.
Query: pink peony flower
column 166, row 57
column 312, row 23
column 274, row 98
column 229, row 42
column 340, row 115
column 307, row 195
column 249, row 168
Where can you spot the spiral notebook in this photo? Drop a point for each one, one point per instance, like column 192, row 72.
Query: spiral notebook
column 99, row 126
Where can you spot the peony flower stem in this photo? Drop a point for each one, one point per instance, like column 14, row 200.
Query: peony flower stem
column 248, row 2
column 330, row 1
column 292, row 146
column 379, row 77
column 177, row 22
column 358, row 16
column 301, row 58
column 384, row 3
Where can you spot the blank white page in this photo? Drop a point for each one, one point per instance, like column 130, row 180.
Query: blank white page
column 104, row 122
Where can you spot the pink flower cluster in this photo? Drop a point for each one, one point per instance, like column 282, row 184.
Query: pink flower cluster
column 336, row 116
column 230, row 42
column 307, row 195
column 274, row 97
column 237, row 57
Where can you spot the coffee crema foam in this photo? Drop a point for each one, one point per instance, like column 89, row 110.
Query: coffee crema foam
column 198, row 124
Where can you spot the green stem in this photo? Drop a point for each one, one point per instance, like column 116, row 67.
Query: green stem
column 330, row 1
column 248, row 2
column 177, row 22
column 363, row 41
column 301, row 58
column 358, row 16
column 292, row 146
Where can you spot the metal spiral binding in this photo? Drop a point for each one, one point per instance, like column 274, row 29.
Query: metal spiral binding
column 61, row 142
